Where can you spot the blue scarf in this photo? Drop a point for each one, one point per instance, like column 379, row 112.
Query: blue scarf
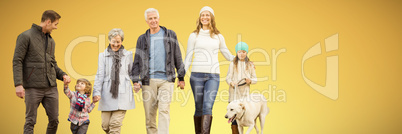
column 79, row 105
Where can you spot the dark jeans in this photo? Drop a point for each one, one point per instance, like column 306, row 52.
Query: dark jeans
column 49, row 97
column 75, row 129
column 204, row 87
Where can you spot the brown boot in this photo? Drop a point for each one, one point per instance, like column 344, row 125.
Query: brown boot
column 235, row 130
column 206, row 124
column 197, row 124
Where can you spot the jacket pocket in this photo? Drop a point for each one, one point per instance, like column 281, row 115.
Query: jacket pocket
column 53, row 73
column 33, row 69
column 34, row 72
column 128, row 83
column 129, row 88
column 125, row 84
column 106, row 85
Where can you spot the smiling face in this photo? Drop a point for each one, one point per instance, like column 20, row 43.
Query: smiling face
column 234, row 110
column 205, row 18
column 241, row 54
column 115, row 43
column 152, row 20
column 50, row 26
column 80, row 87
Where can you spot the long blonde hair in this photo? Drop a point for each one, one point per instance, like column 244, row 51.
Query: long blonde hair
column 212, row 26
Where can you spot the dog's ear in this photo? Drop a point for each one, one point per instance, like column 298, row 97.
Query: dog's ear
column 242, row 106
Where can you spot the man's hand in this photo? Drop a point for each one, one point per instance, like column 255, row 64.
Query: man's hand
column 66, row 79
column 96, row 99
column 181, row 84
column 20, row 91
column 137, row 87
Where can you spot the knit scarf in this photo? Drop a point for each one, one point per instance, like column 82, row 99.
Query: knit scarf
column 79, row 105
column 114, row 89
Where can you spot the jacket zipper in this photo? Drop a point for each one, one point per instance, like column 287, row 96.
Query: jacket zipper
column 46, row 45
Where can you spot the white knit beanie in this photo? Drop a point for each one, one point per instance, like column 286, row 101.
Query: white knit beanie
column 207, row 8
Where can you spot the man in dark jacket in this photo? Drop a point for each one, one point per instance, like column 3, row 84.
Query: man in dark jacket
column 156, row 58
column 35, row 72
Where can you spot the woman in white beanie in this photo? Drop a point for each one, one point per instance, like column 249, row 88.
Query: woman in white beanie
column 204, row 44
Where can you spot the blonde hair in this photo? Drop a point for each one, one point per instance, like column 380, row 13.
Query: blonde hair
column 212, row 26
column 88, row 86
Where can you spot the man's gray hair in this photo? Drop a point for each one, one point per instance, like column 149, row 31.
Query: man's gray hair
column 116, row 32
column 150, row 10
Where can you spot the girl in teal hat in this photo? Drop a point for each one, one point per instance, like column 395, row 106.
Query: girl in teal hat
column 240, row 75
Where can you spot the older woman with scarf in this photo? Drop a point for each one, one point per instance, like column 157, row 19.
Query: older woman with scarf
column 112, row 85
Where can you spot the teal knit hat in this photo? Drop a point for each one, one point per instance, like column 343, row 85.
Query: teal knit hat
column 241, row 46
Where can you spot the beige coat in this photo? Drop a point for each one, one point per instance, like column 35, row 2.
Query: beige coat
column 238, row 74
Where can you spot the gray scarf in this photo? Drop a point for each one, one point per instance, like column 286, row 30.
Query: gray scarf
column 114, row 89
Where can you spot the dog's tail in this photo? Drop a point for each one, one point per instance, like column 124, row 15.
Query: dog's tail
column 265, row 108
column 263, row 114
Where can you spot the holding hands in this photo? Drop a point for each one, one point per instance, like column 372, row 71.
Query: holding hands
column 181, row 84
column 66, row 79
column 137, row 87
column 96, row 99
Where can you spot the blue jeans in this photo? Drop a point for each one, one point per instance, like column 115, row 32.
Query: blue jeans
column 204, row 87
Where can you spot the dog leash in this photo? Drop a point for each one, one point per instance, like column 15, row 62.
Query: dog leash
column 238, row 84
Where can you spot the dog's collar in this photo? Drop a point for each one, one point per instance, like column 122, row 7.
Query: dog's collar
column 243, row 114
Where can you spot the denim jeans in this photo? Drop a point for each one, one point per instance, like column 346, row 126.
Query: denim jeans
column 75, row 129
column 204, row 87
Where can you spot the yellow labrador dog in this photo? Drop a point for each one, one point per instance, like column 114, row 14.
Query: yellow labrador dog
column 246, row 111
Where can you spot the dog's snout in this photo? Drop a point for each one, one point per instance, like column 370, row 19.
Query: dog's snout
column 226, row 116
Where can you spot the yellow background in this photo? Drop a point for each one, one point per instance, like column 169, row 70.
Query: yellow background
column 369, row 58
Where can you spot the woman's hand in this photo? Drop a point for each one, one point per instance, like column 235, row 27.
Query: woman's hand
column 96, row 99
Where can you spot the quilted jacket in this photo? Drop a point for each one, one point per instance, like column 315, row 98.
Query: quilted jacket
column 34, row 64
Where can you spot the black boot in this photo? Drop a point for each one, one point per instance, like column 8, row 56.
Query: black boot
column 197, row 124
column 206, row 124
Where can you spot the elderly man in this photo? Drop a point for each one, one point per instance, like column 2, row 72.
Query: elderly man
column 157, row 55
column 35, row 72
